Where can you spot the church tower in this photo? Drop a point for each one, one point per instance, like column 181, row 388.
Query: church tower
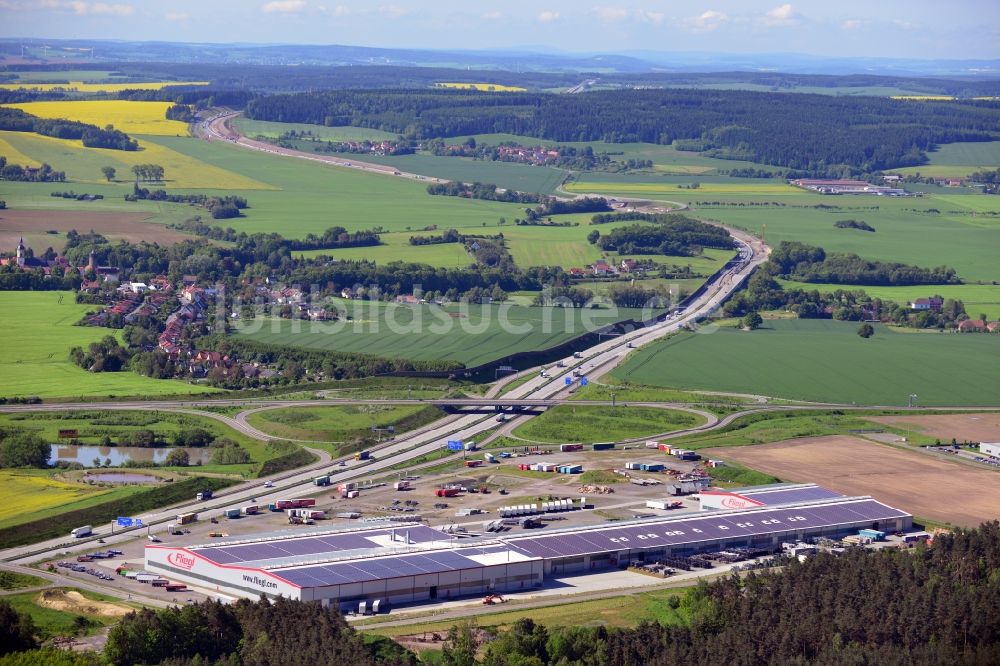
column 92, row 262
column 22, row 253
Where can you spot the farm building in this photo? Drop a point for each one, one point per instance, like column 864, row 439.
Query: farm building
column 411, row 562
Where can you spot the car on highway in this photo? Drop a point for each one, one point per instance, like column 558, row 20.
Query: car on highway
column 268, row 484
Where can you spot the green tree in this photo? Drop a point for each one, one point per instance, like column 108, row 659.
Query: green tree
column 17, row 631
column 177, row 458
column 461, row 646
column 109, row 172
column 753, row 321
column 24, row 449
column 593, row 236
column 866, row 330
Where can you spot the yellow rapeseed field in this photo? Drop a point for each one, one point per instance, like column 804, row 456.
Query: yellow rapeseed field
column 13, row 155
column 80, row 86
column 84, row 164
column 129, row 117
column 494, row 87
column 22, row 492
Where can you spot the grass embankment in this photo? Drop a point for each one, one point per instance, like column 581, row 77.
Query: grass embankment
column 569, row 423
column 826, row 361
column 132, row 503
column 633, row 393
column 37, row 342
column 766, row 427
column 68, row 611
column 10, row 580
column 622, row 611
column 343, row 424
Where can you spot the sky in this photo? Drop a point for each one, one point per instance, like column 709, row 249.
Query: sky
column 871, row 28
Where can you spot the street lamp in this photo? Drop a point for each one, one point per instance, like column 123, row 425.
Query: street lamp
column 912, row 399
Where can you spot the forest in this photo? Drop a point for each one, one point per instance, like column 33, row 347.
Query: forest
column 15, row 120
column 671, row 234
column 814, row 134
column 806, row 263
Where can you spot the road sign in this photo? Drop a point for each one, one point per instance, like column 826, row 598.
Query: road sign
column 583, row 381
column 569, row 380
column 454, row 445
column 124, row 521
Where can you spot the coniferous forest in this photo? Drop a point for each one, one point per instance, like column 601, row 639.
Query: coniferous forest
column 803, row 132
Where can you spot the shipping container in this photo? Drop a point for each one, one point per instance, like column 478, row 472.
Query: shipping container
column 633, row 465
column 604, row 446
column 322, row 480
column 351, row 494
column 401, row 485
column 186, row 518
column 571, row 447
column 473, row 463
column 446, row 492
column 251, row 510
column 232, row 513
column 175, row 587
column 489, row 458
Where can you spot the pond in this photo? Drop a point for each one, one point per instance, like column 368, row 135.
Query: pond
column 119, row 477
column 118, row 454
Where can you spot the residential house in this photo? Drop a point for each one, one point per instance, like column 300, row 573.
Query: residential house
column 933, row 303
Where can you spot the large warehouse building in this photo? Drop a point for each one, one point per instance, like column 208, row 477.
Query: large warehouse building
column 412, row 563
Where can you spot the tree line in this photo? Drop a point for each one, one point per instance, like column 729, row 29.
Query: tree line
column 807, row 263
column 675, row 235
column 27, row 174
column 807, row 133
column 220, row 207
column 92, row 136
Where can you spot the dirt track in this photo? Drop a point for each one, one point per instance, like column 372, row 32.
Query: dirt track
column 71, row 601
column 33, row 225
column 921, row 484
column 971, row 427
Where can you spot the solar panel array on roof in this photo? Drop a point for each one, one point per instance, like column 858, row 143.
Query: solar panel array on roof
column 789, row 495
column 360, row 571
column 680, row 531
column 321, row 544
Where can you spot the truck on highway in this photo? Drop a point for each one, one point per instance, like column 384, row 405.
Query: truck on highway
column 204, row 495
column 186, row 518
column 362, row 455
column 81, row 532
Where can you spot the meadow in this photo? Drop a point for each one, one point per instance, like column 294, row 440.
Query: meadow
column 39, row 333
column 396, row 247
column 339, row 423
column 273, row 130
column 127, row 116
column 471, row 334
column 822, row 361
column 958, row 160
column 83, row 165
column 978, row 298
column 571, row 423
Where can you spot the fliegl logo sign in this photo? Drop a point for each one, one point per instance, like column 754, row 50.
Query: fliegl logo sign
column 259, row 582
column 737, row 502
column 182, row 560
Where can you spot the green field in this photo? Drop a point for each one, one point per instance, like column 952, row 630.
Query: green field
column 272, row 130
column 38, row 336
column 826, row 361
column 339, row 423
column 507, row 175
column 396, row 247
column 978, row 298
column 959, row 159
column 570, row 423
column 471, row 334
column 312, row 197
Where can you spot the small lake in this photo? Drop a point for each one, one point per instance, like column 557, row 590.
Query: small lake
column 119, row 477
column 118, row 454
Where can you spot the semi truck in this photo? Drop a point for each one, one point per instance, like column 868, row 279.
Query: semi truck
column 362, row 455
column 81, row 532
column 204, row 495
column 322, row 480
column 186, row 518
